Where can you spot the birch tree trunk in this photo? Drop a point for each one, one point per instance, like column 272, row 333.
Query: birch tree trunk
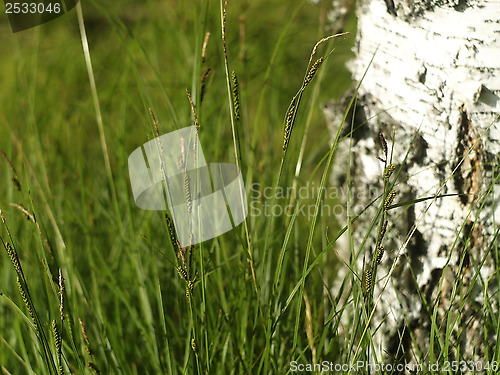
column 433, row 90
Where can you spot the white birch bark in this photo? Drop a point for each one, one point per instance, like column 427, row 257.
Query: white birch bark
column 434, row 83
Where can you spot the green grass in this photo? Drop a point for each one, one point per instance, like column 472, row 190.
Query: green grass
column 261, row 293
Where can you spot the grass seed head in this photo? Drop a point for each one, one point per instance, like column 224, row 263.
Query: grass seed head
column 289, row 118
column 171, row 231
column 13, row 257
column 61, row 295
column 236, row 95
column 94, row 368
column 388, row 171
column 189, row 288
column 57, row 337
column 379, row 254
column 15, row 179
column 383, row 143
column 182, row 273
column 85, row 338
column 204, row 47
column 155, row 122
column 204, row 78
column 382, row 231
column 367, row 281
column 16, row 183
column 187, row 193
column 312, row 72
column 390, row 199
column 24, row 297
column 193, row 110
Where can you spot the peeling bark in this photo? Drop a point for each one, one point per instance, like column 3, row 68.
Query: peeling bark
column 434, row 88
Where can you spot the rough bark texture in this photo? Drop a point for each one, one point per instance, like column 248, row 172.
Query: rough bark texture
column 433, row 85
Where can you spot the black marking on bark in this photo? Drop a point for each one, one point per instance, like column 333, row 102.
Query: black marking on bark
column 420, row 147
column 391, row 9
column 490, row 160
column 422, row 76
column 467, row 178
column 417, row 246
column 355, row 124
column 462, row 131
column 461, row 6
column 432, row 284
column 488, row 97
